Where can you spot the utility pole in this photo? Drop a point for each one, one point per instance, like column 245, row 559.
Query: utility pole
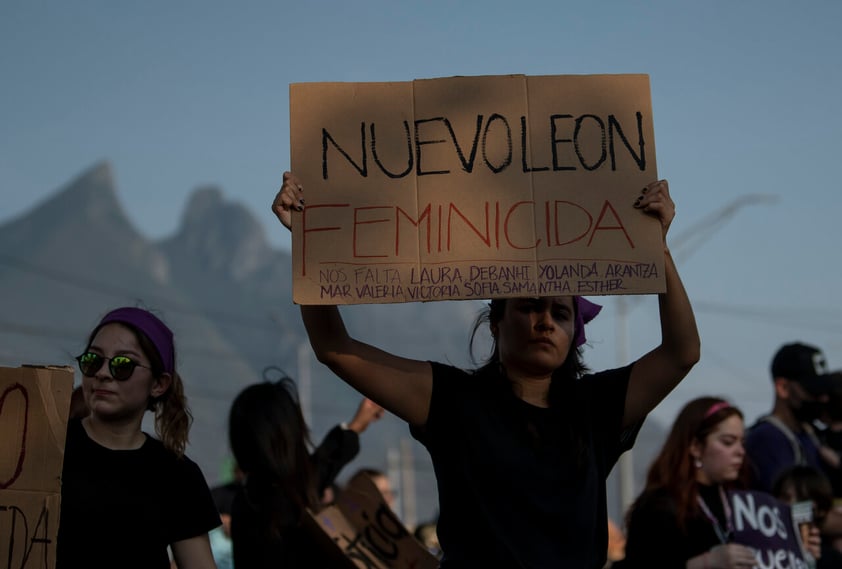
column 408, row 495
column 625, row 464
column 395, row 476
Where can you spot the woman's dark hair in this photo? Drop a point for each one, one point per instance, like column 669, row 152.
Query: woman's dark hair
column 802, row 483
column 271, row 444
column 673, row 470
column 561, row 385
column 572, row 368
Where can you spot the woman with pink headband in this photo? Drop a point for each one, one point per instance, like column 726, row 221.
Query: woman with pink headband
column 522, row 446
column 683, row 519
column 127, row 497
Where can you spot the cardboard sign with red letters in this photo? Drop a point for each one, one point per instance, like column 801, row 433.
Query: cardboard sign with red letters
column 34, row 405
column 473, row 188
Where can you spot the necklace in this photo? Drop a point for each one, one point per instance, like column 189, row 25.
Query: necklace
column 723, row 535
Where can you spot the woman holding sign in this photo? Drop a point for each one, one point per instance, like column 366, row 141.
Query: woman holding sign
column 683, row 518
column 521, row 446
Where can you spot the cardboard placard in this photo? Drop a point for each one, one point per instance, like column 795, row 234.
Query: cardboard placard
column 364, row 533
column 473, row 187
column 766, row 524
column 34, row 405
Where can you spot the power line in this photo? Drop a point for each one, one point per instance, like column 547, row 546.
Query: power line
column 819, row 319
column 689, row 240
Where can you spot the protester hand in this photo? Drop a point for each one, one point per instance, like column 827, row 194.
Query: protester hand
column 655, row 200
column 289, row 197
column 731, row 556
column 367, row 413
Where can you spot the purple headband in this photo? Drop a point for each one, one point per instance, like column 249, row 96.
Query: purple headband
column 157, row 332
column 585, row 312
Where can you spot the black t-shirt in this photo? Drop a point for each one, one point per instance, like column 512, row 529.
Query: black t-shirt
column 122, row 508
column 654, row 538
column 514, row 491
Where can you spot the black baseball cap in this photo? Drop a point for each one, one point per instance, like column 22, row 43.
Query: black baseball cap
column 802, row 363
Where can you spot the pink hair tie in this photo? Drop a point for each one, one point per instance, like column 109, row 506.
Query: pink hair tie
column 716, row 407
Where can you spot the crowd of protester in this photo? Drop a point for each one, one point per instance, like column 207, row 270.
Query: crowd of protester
column 521, row 446
column 682, row 519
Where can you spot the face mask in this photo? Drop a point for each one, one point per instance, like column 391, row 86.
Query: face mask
column 808, row 411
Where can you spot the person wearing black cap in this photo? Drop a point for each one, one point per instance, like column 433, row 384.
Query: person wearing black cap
column 784, row 438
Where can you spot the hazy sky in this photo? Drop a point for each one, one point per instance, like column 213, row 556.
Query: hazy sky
column 745, row 97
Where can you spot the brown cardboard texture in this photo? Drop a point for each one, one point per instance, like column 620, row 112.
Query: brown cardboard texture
column 364, row 533
column 34, row 404
column 473, row 188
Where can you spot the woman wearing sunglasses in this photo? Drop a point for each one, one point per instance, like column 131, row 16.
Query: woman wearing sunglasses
column 126, row 496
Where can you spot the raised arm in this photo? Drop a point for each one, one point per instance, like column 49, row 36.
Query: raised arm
column 655, row 374
column 367, row 413
column 402, row 386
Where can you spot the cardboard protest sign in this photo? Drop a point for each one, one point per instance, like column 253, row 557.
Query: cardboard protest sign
column 34, row 404
column 766, row 525
column 364, row 533
column 473, row 187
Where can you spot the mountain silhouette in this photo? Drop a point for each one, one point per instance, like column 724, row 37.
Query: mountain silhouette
column 221, row 237
column 225, row 292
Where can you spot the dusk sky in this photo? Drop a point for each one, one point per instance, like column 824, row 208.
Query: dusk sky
column 745, row 99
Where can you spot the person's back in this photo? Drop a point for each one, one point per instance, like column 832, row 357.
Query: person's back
column 283, row 480
column 256, row 548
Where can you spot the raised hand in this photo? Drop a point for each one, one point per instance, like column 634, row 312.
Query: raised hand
column 655, row 200
column 289, row 197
